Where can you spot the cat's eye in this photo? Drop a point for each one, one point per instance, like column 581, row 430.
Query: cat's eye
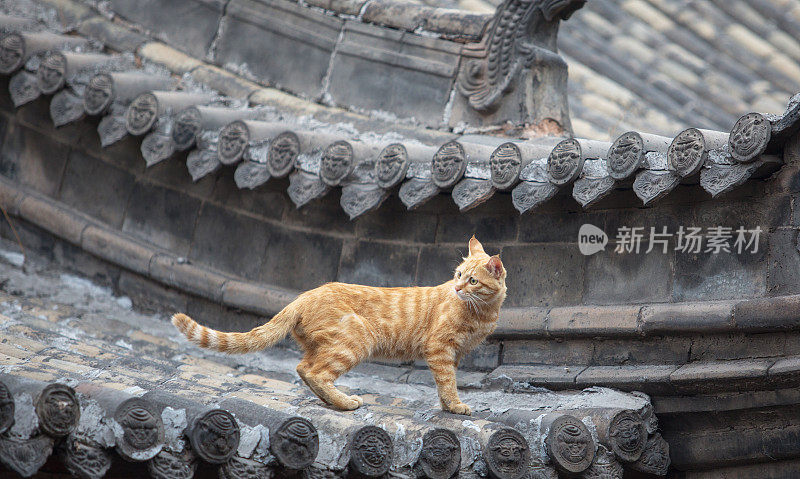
column 473, row 281
column 458, row 274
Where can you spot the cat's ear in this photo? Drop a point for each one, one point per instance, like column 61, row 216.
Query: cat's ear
column 495, row 266
column 475, row 246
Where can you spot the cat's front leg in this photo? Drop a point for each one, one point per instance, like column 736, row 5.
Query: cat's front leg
column 442, row 363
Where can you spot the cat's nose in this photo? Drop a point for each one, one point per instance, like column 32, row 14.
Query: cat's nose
column 458, row 288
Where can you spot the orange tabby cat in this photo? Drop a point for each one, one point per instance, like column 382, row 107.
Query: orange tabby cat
column 339, row 325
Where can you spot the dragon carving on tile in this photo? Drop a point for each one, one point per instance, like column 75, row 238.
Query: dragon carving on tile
column 509, row 45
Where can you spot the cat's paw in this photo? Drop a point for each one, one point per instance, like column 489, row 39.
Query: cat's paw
column 460, row 408
column 351, row 403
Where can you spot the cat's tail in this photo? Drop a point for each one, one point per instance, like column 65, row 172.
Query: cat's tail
column 256, row 339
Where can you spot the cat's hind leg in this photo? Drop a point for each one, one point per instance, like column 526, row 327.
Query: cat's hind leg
column 303, row 369
column 326, row 369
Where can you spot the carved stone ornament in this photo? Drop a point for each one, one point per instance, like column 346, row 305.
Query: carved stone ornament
column 392, row 165
column 569, row 444
column 588, row 191
column 241, row 468
column 749, row 137
column 170, row 465
column 440, row 457
column 185, row 128
column 215, row 436
column 66, row 107
column 51, row 72
column 111, row 129
column 337, row 163
column 718, row 179
column 687, row 152
column 25, row 456
column 628, row 436
column 141, row 114
column 99, row 94
column 565, row 162
column 448, row 164
column 505, row 164
column 23, row 88
column 6, row 408
column 358, row 199
column 655, row 457
column 283, row 150
column 201, row 163
column 371, row 451
column 85, row 461
column 507, row 47
column 12, row 53
column 156, row 147
column 529, row 194
column 625, row 155
column 507, row 454
column 295, row 443
column 233, row 139
column 605, row 466
column 469, row 193
column 58, row 410
column 650, row 185
column 416, row 191
column 143, row 430
column 304, row 187
column 250, row 174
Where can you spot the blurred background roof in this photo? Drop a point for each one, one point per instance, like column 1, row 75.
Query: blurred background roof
column 664, row 65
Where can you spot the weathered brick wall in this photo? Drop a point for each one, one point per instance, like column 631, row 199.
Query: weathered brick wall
column 260, row 236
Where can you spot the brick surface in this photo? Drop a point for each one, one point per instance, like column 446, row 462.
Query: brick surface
column 768, row 313
column 32, row 159
column 687, row 317
column 213, row 246
column 459, row 228
column 740, row 346
column 268, row 201
column 151, row 296
column 783, row 271
column 161, row 216
column 190, row 25
column 111, row 34
column 711, row 276
column 543, row 275
column 378, row 264
column 320, row 259
column 548, row 351
column 436, row 264
column 523, row 321
column 394, row 224
column 108, row 195
column 652, row 379
column 484, row 357
column 741, row 369
column 556, row 377
column 297, row 62
column 656, row 350
column 612, row 277
column 593, row 321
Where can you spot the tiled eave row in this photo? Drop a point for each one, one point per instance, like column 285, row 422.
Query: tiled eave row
column 90, row 388
column 370, row 161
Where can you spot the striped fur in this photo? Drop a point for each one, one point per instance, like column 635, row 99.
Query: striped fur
column 339, row 325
